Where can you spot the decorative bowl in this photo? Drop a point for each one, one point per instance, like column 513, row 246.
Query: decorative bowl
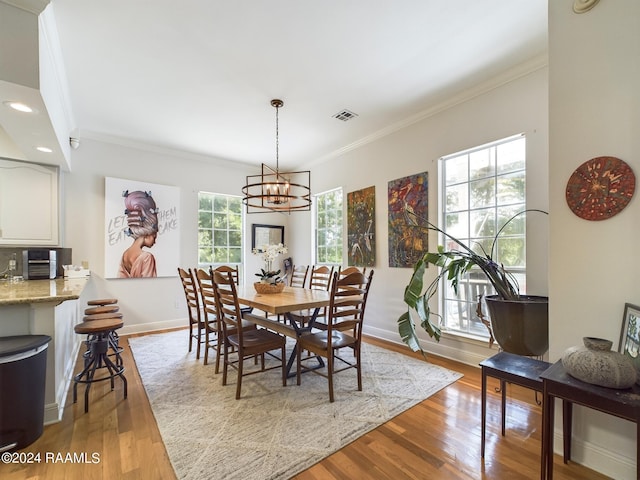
column 267, row 288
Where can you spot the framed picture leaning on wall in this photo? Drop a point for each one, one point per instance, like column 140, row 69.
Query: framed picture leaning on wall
column 630, row 334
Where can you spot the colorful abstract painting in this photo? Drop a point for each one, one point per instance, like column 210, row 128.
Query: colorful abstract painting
column 142, row 237
column 408, row 213
column 361, row 227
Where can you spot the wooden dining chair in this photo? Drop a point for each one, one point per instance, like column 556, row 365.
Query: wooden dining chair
column 236, row 278
column 213, row 328
column 229, row 269
column 245, row 343
column 345, row 313
column 194, row 312
column 351, row 269
column 298, row 276
column 213, row 338
column 321, row 276
column 343, row 272
column 320, row 279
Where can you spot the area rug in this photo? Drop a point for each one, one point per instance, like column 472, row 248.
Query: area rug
column 272, row 432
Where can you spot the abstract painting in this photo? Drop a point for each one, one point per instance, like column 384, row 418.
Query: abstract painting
column 361, row 227
column 408, row 214
column 142, row 238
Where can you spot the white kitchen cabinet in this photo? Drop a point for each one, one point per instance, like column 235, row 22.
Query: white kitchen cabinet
column 28, row 204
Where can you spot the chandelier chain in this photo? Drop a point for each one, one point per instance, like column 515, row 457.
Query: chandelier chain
column 277, row 140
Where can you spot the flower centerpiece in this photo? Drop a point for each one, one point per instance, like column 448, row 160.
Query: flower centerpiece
column 454, row 263
column 268, row 275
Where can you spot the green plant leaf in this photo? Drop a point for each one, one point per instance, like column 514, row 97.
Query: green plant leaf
column 407, row 331
column 413, row 291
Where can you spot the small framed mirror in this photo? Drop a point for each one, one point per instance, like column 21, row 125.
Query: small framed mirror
column 266, row 235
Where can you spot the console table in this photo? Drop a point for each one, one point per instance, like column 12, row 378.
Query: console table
column 557, row 383
column 516, row 369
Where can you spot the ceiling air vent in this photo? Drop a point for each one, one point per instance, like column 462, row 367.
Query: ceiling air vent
column 345, row 115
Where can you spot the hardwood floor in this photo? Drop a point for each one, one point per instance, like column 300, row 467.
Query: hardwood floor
column 438, row 438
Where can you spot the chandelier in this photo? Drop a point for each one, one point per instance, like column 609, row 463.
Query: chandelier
column 276, row 191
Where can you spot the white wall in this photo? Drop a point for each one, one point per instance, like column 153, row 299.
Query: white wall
column 148, row 304
column 508, row 109
column 594, row 266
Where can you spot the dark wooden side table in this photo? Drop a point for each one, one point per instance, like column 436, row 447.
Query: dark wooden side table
column 516, row 369
column 557, row 383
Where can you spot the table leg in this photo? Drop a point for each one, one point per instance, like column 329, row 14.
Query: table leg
column 548, row 413
column 503, row 388
column 567, row 414
column 637, row 446
column 545, row 430
column 299, row 331
column 484, row 409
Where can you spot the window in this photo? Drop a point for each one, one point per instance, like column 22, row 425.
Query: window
column 482, row 189
column 329, row 227
column 219, row 229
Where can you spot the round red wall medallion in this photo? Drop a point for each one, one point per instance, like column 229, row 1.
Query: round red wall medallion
column 600, row 188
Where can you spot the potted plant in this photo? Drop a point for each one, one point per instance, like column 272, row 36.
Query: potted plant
column 270, row 280
column 519, row 323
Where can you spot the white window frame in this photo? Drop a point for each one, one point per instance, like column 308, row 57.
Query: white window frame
column 459, row 315
column 317, row 200
column 213, row 263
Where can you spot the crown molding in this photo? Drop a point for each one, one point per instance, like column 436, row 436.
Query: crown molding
column 160, row 150
column 521, row 70
column 33, row 6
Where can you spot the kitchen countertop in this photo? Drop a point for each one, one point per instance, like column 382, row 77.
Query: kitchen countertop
column 40, row 291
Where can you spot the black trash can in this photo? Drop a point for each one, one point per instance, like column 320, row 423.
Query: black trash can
column 23, row 365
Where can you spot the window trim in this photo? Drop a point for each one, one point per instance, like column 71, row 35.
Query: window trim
column 478, row 333
column 316, row 203
column 241, row 264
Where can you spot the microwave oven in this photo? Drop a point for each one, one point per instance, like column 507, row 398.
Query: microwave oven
column 38, row 264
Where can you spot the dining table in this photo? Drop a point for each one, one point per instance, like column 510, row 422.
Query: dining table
column 283, row 304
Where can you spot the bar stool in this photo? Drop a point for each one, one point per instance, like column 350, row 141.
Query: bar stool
column 102, row 302
column 99, row 330
column 112, row 337
column 103, row 308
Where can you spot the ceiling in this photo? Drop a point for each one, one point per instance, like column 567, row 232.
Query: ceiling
column 198, row 75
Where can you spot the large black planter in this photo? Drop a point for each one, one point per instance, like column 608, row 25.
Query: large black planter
column 520, row 326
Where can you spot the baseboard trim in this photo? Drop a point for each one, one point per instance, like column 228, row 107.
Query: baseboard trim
column 153, row 326
column 601, row 460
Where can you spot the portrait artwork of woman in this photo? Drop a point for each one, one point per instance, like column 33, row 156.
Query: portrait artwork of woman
column 142, row 222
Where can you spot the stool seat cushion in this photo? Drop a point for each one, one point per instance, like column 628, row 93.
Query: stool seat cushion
column 98, row 326
column 103, row 301
column 102, row 309
column 101, row 316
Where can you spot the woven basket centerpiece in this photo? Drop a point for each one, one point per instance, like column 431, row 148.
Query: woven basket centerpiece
column 268, row 287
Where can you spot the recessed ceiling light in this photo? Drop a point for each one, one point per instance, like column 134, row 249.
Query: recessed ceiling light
column 44, row 149
column 19, row 106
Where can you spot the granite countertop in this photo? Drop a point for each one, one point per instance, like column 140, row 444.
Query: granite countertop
column 40, row 291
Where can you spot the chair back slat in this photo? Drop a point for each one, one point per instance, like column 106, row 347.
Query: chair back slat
column 191, row 294
column 348, row 300
column 224, row 269
column 299, row 276
column 227, row 300
column 321, row 277
column 207, row 295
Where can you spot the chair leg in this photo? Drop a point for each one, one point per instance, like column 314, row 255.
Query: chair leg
column 330, row 374
column 299, row 360
column 239, row 384
column 206, row 347
column 198, row 343
column 358, row 368
column 225, row 364
column 190, row 337
column 218, row 354
column 284, row 366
